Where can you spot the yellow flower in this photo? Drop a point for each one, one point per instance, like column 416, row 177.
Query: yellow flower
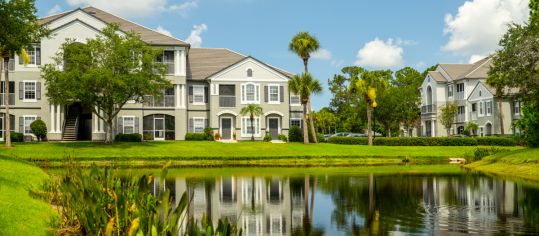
column 134, row 226
column 110, row 227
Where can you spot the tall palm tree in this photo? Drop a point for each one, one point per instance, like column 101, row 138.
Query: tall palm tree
column 367, row 86
column 304, row 85
column 252, row 110
column 303, row 44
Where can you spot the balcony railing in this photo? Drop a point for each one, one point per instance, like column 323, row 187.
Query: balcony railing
column 460, row 118
column 473, row 115
column 11, row 99
column 164, row 101
column 428, row 109
column 459, row 96
column 227, row 101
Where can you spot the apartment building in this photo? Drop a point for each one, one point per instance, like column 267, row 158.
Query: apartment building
column 210, row 86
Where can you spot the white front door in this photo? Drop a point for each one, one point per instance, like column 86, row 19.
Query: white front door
column 226, row 128
column 159, row 128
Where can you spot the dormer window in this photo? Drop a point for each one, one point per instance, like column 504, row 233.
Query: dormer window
column 249, row 73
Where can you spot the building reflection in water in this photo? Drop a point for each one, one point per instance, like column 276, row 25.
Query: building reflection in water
column 363, row 205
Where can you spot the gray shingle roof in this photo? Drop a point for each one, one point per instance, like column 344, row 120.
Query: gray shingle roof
column 437, row 76
column 477, row 70
column 147, row 35
column 204, row 62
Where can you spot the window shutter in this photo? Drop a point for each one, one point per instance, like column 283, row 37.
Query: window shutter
column 136, row 125
column 206, row 94
column 38, row 56
column 266, row 94
column 190, row 94
column 38, row 90
column 120, row 125
column 21, row 124
column 281, row 93
column 21, row 90
column 190, row 129
column 20, row 59
column 242, row 92
column 257, row 92
column 206, row 123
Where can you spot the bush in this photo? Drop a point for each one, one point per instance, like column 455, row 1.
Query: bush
column 320, row 138
column 424, row 141
column 481, row 152
column 496, row 141
column 128, row 138
column 147, row 136
column 195, row 137
column 17, row 137
column 295, row 134
column 267, row 137
column 283, row 138
column 39, row 129
column 348, row 140
column 208, row 134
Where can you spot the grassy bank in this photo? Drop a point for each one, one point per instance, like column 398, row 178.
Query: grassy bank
column 522, row 163
column 242, row 153
column 20, row 213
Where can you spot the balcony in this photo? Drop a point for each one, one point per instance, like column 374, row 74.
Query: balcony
column 428, row 109
column 11, row 99
column 227, row 101
column 461, row 118
column 459, row 96
column 164, row 101
column 473, row 115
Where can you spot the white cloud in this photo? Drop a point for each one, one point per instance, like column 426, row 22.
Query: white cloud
column 420, row 65
column 337, row 63
column 137, row 8
column 474, row 58
column 380, row 54
column 54, row 10
column 321, row 54
column 479, row 24
column 162, row 30
column 194, row 38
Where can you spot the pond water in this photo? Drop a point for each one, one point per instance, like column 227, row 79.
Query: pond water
column 281, row 202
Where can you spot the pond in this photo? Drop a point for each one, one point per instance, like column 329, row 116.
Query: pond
column 352, row 201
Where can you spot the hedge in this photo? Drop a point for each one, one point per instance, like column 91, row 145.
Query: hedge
column 426, row 141
column 17, row 137
column 196, row 137
column 128, row 138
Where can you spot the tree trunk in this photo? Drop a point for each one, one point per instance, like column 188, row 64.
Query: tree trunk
column 108, row 135
column 306, row 220
column 388, row 131
column 7, row 119
column 369, row 123
column 313, row 190
column 252, row 128
column 501, row 116
column 313, row 130
column 305, row 63
column 305, row 131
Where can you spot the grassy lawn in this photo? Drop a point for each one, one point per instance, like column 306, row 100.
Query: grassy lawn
column 519, row 163
column 215, row 153
column 20, row 213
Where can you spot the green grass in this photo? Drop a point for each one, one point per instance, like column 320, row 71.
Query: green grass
column 20, row 213
column 522, row 163
column 215, row 153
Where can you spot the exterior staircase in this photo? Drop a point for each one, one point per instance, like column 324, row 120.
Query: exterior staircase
column 71, row 125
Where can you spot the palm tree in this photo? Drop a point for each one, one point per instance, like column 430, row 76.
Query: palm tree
column 253, row 110
column 304, row 85
column 367, row 86
column 303, row 44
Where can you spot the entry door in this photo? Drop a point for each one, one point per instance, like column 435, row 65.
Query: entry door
column 274, row 127
column 226, row 128
column 159, row 128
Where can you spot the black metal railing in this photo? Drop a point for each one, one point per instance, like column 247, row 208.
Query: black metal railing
column 428, row 109
column 227, row 101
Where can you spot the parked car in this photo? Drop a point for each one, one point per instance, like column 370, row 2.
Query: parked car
column 356, row 135
column 459, row 136
column 342, row 134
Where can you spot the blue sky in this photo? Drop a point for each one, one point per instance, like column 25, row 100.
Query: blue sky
column 375, row 34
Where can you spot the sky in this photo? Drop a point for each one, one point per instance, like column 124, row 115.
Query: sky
column 375, row 34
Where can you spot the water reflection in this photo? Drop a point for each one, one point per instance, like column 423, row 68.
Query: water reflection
column 362, row 205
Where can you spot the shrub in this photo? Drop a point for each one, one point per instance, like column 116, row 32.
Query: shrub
column 481, row 152
column 424, row 141
column 17, row 137
column 216, row 136
column 147, row 136
column 195, row 137
column 39, row 129
column 128, row 138
column 320, row 138
column 496, row 141
column 283, row 138
column 348, row 140
column 208, row 134
column 267, row 137
column 295, row 134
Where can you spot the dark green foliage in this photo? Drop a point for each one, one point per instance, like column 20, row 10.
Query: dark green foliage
column 128, row 138
column 295, row 134
column 208, row 134
column 267, row 137
column 496, row 141
column 283, row 138
column 320, row 137
column 17, row 137
column 39, row 129
column 481, row 152
column 348, row 140
column 196, row 137
column 419, row 141
column 529, row 124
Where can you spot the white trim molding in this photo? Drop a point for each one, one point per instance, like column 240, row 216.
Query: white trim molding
column 274, row 112
column 227, row 112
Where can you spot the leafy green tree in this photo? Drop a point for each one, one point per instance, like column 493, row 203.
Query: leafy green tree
column 369, row 84
column 19, row 29
column 39, row 129
column 303, row 44
column 447, row 115
column 529, row 123
column 471, row 128
column 304, row 85
column 252, row 110
column 326, row 120
column 105, row 73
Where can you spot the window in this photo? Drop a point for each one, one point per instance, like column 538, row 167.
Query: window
column 294, row 100
column 273, row 92
column 128, row 124
column 489, row 108
column 460, row 88
column 250, row 93
column 296, row 122
column 11, row 93
column 247, row 130
column 249, row 73
column 30, row 90
column 168, row 60
column 199, row 124
column 516, row 108
column 450, row 91
column 35, row 56
column 481, row 108
column 474, row 107
column 198, row 94
column 27, row 121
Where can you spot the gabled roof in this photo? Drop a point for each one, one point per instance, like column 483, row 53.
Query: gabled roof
column 437, row 76
column 479, row 69
column 455, row 70
column 147, row 35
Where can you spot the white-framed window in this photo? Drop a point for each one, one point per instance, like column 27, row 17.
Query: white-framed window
column 450, row 91
column 35, row 55
column 247, row 130
column 295, row 100
column 250, row 93
column 168, row 60
column 274, row 93
column 481, row 131
column 516, row 108
column 488, row 108
column 198, row 94
column 481, row 108
column 276, row 224
column 128, row 124
column 29, row 90
column 28, row 119
column 199, row 124
column 296, row 122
